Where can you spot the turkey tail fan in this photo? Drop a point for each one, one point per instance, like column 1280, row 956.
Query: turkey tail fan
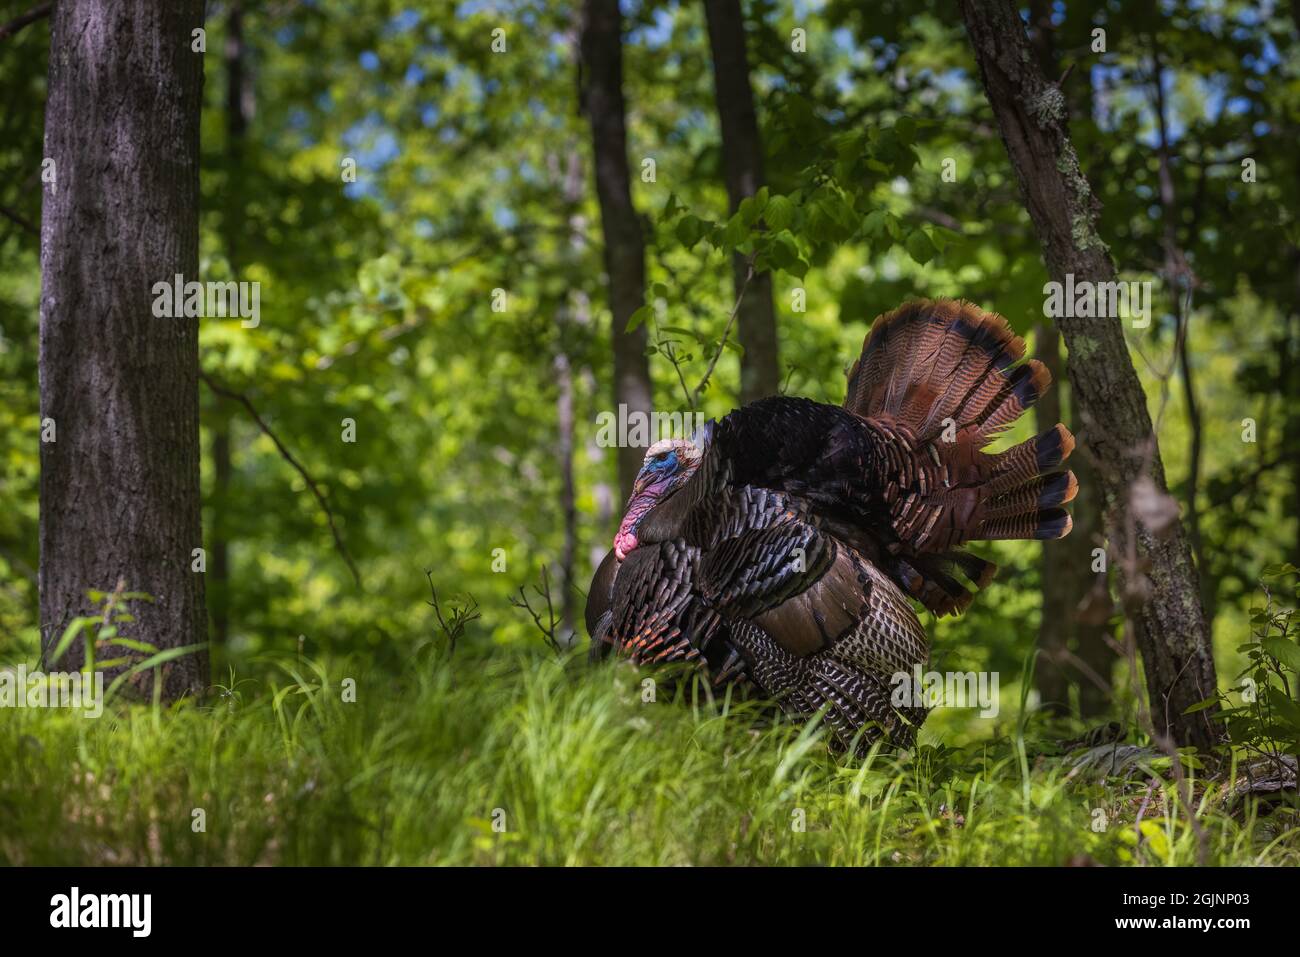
column 940, row 380
column 932, row 361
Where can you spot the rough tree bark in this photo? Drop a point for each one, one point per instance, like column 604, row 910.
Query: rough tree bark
column 120, row 483
column 601, row 96
column 1169, row 622
column 742, row 158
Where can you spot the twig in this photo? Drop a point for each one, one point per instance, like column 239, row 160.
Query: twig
column 227, row 393
column 20, row 220
column 722, row 343
column 547, row 630
column 31, row 16
column 461, row 615
column 671, row 352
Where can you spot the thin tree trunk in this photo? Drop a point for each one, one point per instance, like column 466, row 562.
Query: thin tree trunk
column 1290, row 368
column 573, row 313
column 219, row 547
column 120, row 483
column 1170, row 627
column 1075, row 650
column 742, row 157
column 1179, row 276
column 1060, row 596
column 1095, row 656
column 601, row 95
column 1289, row 382
column 1056, row 620
column 239, row 108
column 568, row 493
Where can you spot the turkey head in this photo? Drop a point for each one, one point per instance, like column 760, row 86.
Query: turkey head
column 668, row 465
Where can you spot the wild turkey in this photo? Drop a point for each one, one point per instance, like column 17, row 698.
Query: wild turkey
column 780, row 546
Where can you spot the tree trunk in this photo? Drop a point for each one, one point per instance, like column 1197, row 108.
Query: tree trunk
column 1095, row 654
column 1169, row 622
column 742, row 157
column 120, row 482
column 1060, row 596
column 239, row 109
column 1289, row 371
column 573, row 313
column 219, row 539
column 1076, row 600
column 601, row 95
column 1180, row 279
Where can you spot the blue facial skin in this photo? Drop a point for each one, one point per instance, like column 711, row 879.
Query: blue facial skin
column 664, row 466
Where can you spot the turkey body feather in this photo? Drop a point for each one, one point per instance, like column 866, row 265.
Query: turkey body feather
column 785, row 546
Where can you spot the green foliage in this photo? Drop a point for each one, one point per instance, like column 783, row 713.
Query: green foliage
column 575, row 766
column 473, row 176
column 1267, row 719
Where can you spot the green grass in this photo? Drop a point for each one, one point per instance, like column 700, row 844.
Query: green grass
column 584, row 772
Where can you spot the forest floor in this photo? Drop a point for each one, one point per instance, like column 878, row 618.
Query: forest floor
column 520, row 758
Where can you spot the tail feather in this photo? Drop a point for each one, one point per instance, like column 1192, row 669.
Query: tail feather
column 1033, row 457
column 940, row 380
column 1058, row 488
column 1044, row 523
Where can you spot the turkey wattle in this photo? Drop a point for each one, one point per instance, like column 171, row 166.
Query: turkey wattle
column 782, row 544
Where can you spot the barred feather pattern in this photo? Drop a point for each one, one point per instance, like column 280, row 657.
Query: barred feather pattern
column 788, row 562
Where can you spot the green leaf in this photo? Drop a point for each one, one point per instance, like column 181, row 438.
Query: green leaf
column 750, row 209
column 1285, row 651
column 637, row 318
column 943, row 238
column 690, row 230
column 1285, row 707
column 735, row 233
column 70, row 633
column 919, row 247
column 689, row 333
column 152, row 662
column 141, row 646
column 779, row 213
column 873, row 224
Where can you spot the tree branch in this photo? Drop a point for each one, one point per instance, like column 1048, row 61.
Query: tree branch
column 547, row 628
column 19, row 219
column 37, row 12
column 227, row 393
column 722, row 343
